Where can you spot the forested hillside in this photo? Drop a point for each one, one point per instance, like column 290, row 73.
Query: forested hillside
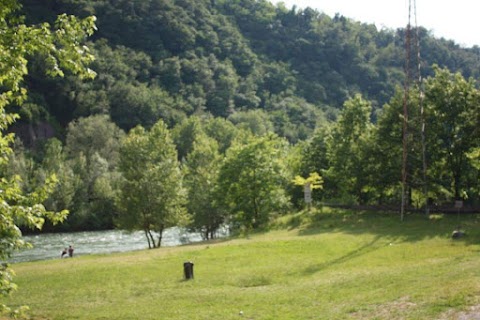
column 166, row 59
column 214, row 106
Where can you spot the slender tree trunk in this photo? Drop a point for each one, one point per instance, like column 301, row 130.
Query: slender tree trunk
column 160, row 235
column 456, row 185
column 151, row 239
column 456, row 164
column 148, row 239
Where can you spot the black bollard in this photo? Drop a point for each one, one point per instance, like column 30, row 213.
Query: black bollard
column 188, row 270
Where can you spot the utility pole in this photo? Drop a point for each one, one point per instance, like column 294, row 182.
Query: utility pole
column 406, row 98
column 422, row 113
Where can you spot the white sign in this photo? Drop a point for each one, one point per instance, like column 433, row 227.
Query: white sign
column 307, row 192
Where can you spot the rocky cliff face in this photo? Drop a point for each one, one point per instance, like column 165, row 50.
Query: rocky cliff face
column 32, row 133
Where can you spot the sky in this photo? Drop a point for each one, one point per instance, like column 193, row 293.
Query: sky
column 457, row 20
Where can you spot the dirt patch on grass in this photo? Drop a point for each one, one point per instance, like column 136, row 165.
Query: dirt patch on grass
column 472, row 313
column 390, row 310
column 397, row 310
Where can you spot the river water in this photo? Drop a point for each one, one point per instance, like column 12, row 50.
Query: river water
column 50, row 245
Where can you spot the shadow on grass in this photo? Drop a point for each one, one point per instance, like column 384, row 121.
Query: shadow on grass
column 366, row 248
column 207, row 243
column 415, row 227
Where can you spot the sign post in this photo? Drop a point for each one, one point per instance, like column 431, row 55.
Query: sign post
column 314, row 181
column 307, row 193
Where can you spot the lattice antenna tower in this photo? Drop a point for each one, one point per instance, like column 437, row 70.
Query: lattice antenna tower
column 406, row 101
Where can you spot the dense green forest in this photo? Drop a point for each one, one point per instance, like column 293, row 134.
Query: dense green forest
column 203, row 112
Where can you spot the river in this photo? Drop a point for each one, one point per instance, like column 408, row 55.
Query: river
column 50, row 245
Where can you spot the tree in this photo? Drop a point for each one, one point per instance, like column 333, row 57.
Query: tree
column 257, row 121
column 293, row 117
column 452, row 107
column 201, row 159
column 133, row 105
column 251, row 182
column 62, row 50
column 185, row 135
column 201, row 173
column 346, row 145
column 220, row 99
column 451, row 117
column 55, row 161
column 151, row 194
column 94, row 134
column 92, row 149
column 474, row 158
column 314, row 152
column 314, row 180
column 386, row 150
column 223, row 131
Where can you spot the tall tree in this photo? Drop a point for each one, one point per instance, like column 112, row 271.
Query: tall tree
column 92, row 148
column 201, row 173
column 62, row 50
column 312, row 157
column 453, row 106
column 451, row 117
column 386, row 150
column 94, row 134
column 185, row 135
column 55, row 161
column 252, row 181
column 348, row 139
column 151, row 195
column 201, row 159
column 223, row 131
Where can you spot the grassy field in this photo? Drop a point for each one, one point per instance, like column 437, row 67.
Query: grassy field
column 319, row 265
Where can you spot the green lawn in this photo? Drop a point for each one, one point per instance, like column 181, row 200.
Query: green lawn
column 320, row 265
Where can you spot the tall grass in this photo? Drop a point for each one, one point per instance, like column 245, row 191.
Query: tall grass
column 330, row 264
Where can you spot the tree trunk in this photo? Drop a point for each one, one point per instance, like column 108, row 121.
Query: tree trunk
column 151, row 239
column 148, row 239
column 160, row 235
column 456, row 184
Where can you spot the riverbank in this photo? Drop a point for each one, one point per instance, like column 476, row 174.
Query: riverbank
column 50, row 245
column 318, row 265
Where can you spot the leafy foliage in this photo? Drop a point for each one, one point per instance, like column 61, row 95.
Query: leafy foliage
column 215, row 72
column 251, row 181
column 201, row 175
column 348, row 143
column 92, row 154
column 170, row 59
column 151, row 194
column 314, row 180
column 453, row 106
column 61, row 49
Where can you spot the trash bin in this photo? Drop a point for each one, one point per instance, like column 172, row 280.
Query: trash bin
column 188, row 270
